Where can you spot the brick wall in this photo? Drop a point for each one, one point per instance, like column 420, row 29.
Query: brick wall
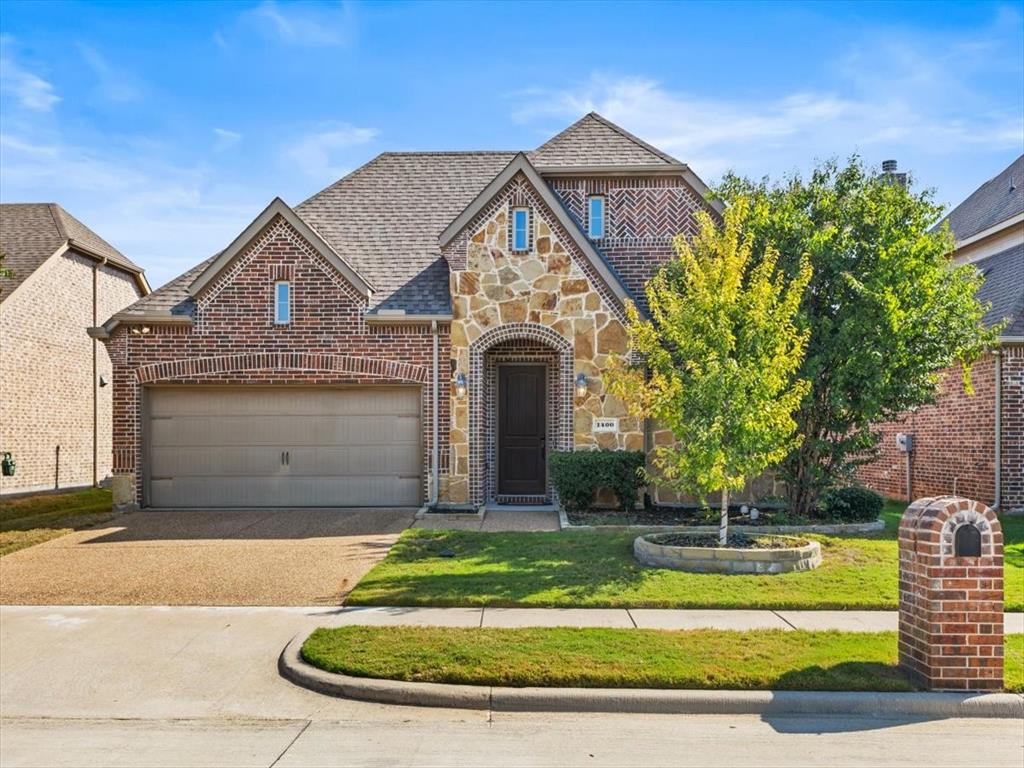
column 642, row 217
column 954, row 442
column 46, row 384
column 1012, row 395
column 235, row 341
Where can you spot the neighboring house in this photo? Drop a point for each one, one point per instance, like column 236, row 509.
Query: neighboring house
column 973, row 445
column 428, row 327
column 55, row 410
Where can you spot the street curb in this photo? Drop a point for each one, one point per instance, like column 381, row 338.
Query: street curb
column 648, row 701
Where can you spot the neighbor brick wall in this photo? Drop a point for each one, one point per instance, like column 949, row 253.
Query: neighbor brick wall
column 46, row 384
column 954, row 442
column 235, row 341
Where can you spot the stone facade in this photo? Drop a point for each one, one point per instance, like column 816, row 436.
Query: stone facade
column 954, row 439
column 234, row 341
column 46, row 375
column 951, row 601
column 550, row 296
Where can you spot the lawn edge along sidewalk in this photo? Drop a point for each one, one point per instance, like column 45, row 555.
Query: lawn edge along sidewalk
column 640, row 700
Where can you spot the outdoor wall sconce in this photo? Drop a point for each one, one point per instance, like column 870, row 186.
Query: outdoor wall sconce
column 103, row 380
column 581, row 385
column 140, row 330
column 460, row 385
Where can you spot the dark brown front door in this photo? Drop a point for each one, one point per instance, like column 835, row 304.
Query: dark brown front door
column 522, row 425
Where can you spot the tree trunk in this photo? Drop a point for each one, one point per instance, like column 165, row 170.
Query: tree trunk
column 723, row 521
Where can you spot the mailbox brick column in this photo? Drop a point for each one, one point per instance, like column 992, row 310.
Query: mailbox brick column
column 951, row 595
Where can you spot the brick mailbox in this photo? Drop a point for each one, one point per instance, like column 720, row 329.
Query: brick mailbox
column 951, row 595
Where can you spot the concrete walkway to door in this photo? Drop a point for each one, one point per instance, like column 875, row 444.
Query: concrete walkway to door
column 206, row 557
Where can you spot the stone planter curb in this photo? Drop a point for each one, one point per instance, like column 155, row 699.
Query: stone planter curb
column 825, row 529
column 646, row 700
column 654, row 554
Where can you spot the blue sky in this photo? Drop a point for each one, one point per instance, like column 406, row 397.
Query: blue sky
column 167, row 127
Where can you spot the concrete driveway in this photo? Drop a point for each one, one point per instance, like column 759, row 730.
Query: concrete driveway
column 234, row 557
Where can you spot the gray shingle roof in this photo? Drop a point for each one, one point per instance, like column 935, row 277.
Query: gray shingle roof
column 385, row 217
column 994, row 201
column 30, row 233
column 592, row 140
column 171, row 298
column 1004, row 288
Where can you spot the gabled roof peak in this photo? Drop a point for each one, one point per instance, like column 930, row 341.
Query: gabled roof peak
column 595, row 140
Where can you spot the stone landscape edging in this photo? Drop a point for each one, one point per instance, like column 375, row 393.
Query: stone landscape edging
column 826, row 529
column 644, row 700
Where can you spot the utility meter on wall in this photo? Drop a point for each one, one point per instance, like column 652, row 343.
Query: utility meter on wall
column 905, row 442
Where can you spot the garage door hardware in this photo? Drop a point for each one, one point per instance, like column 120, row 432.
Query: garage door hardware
column 286, row 458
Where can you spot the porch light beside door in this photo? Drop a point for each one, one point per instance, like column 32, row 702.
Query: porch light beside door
column 581, row 385
column 460, row 385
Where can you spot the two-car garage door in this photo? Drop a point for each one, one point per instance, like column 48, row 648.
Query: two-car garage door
column 283, row 446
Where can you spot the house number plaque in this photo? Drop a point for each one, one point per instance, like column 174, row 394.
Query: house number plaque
column 606, row 425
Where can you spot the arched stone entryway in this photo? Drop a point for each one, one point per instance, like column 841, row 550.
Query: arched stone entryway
column 515, row 343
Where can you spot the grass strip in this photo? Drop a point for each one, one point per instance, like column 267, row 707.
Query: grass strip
column 624, row 658
column 34, row 519
column 596, row 569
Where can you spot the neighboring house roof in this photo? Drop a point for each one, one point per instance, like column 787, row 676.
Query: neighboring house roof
column 520, row 164
column 995, row 201
column 30, row 233
column 1004, row 289
column 384, row 218
column 594, row 141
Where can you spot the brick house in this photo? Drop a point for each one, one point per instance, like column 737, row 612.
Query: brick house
column 55, row 407
column 425, row 329
column 973, row 445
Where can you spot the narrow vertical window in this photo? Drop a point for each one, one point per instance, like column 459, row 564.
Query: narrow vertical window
column 595, row 217
column 282, row 303
column 520, row 229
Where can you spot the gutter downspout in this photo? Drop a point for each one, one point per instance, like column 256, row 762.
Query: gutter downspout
column 997, row 502
column 95, row 382
column 434, row 469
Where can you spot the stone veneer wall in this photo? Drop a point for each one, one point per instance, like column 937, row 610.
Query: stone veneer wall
column 548, row 294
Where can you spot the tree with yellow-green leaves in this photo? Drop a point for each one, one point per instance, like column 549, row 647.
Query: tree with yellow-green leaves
column 720, row 352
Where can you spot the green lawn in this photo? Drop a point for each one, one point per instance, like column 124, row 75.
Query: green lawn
column 35, row 519
column 624, row 658
column 596, row 569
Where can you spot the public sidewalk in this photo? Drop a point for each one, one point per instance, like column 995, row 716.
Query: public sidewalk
column 642, row 618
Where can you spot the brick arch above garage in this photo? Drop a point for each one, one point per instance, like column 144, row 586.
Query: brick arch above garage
column 200, row 367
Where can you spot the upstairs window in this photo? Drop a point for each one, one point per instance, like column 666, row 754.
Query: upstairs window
column 595, row 217
column 520, row 229
column 282, row 303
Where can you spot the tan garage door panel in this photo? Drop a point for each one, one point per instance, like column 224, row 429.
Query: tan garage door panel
column 263, row 446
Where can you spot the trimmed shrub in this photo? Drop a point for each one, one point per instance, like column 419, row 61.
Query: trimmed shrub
column 852, row 504
column 578, row 475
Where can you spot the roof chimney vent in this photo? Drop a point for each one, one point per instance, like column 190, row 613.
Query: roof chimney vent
column 889, row 166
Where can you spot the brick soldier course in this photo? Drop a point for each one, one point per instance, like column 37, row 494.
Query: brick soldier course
column 951, row 595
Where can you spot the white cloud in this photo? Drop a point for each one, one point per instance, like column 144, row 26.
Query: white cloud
column 113, row 84
column 225, row 139
column 28, row 89
column 317, row 153
column 306, row 24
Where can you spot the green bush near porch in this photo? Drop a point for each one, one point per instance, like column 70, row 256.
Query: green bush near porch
column 579, row 475
column 596, row 569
